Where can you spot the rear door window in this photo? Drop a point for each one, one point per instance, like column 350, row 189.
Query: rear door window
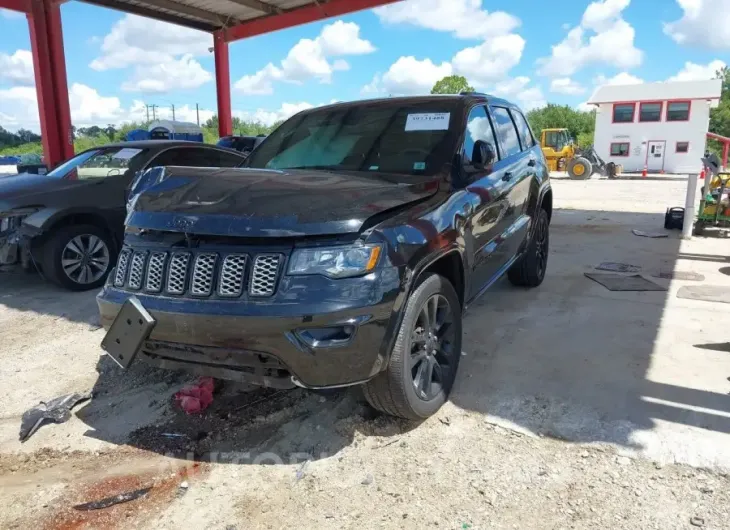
column 523, row 128
column 506, row 131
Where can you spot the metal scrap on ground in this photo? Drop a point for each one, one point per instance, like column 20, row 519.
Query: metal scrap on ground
column 111, row 501
column 57, row 410
column 705, row 293
column 643, row 233
column 617, row 267
column 617, row 282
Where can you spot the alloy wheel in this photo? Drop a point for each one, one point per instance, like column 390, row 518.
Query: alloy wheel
column 541, row 245
column 432, row 352
column 85, row 258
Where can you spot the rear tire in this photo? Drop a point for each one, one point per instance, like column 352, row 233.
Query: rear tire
column 580, row 168
column 398, row 391
column 59, row 254
column 530, row 270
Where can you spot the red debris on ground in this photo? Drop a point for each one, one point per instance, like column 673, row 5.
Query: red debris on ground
column 196, row 398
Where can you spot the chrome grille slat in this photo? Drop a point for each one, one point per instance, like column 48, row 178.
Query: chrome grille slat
column 177, row 273
column 155, row 272
column 264, row 274
column 121, row 273
column 136, row 270
column 233, row 272
column 203, row 274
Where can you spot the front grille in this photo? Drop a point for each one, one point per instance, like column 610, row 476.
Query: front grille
column 136, row 270
column 155, row 272
column 199, row 274
column 233, row 271
column 265, row 273
column 122, row 264
column 177, row 277
column 203, row 274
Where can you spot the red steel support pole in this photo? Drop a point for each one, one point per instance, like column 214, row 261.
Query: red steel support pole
column 60, row 83
column 725, row 153
column 43, row 71
column 222, row 84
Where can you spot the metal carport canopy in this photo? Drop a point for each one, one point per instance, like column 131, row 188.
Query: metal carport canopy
column 239, row 19
column 227, row 20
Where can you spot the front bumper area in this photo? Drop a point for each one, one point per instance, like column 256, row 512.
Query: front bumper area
column 271, row 343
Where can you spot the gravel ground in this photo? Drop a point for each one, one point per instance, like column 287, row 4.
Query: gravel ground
column 581, row 451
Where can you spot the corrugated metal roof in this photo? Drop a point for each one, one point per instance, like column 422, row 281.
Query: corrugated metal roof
column 658, row 91
column 206, row 15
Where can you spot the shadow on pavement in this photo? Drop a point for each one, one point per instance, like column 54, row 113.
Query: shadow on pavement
column 571, row 359
column 30, row 292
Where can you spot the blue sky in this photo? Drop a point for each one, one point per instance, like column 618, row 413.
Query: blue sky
column 116, row 63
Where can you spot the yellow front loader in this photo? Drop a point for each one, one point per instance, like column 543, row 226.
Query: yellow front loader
column 562, row 154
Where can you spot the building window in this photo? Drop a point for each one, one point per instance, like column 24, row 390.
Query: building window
column 682, row 147
column 650, row 112
column 620, row 149
column 678, row 111
column 623, row 112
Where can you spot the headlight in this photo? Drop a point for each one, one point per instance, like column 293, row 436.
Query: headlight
column 335, row 262
column 12, row 219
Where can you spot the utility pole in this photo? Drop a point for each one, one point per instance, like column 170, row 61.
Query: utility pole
column 197, row 114
column 173, row 113
column 154, row 114
column 147, row 108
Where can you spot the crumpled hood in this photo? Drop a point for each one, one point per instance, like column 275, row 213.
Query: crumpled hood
column 268, row 203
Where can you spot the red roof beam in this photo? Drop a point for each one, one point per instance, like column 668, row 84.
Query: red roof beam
column 298, row 16
column 16, row 5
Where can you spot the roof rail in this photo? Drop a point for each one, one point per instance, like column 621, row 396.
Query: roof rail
column 474, row 93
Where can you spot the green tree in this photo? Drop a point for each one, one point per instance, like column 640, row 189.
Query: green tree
column 720, row 117
column 581, row 125
column 453, row 84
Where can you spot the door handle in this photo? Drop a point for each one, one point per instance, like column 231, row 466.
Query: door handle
column 507, row 177
column 532, row 162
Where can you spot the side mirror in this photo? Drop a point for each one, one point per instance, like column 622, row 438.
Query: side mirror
column 482, row 155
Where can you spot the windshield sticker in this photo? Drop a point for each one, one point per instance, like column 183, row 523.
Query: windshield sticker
column 419, row 166
column 374, row 168
column 433, row 121
column 126, row 153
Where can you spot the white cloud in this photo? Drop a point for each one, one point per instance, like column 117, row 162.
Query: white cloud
column 374, row 87
column 409, row 75
column 161, row 54
column 17, row 68
column 10, row 14
column 491, row 60
column 603, row 37
column 598, row 14
column 269, row 117
column 624, row 78
column 310, row 59
column 698, row 72
column 137, row 40
column 565, row 85
column 464, row 18
column 519, row 91
column 585, row 107
column 704, row 23
column 171, row 74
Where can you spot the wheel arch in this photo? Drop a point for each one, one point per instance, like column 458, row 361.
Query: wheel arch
column 50, row 221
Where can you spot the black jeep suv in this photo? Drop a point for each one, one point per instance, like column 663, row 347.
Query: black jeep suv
column 344, row 253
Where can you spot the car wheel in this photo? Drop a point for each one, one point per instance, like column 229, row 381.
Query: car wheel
column 426, row 355
column 529, row 271
column 79, row 257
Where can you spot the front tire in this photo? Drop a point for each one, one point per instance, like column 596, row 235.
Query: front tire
column 580, row 168
column 530, row 270
column 79, row 257
column 426, row 355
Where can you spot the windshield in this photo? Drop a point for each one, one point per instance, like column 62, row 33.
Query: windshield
column 391, row 137
column 97, row 163
column 556, row 139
